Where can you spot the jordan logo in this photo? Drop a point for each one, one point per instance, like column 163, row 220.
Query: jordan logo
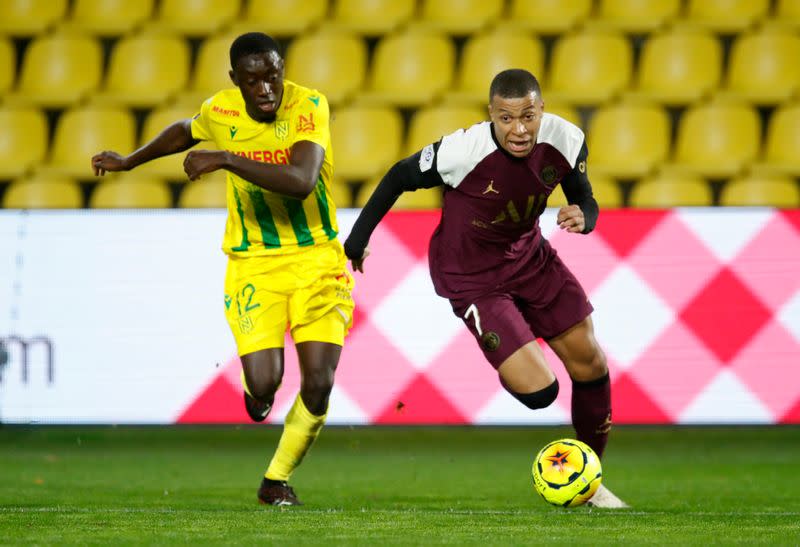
column 605, row 427
column 490, row 188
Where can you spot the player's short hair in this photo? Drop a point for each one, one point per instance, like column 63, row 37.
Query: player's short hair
column 250, row 43
column 514, row 83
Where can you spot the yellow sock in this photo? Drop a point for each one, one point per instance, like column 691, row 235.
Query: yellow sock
column 300, row 430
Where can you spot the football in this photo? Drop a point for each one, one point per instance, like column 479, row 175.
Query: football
column 567, row 472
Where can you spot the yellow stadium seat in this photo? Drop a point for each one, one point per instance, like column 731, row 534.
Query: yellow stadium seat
column 280, row 18
column 168, row 167
column 629, row 140
column 211, row 70
column 58, row 71
column 757, row 191
column 763, row 67
column 146, row 70
column 371, row 17
column 83, row 132
column 589, row 68
column 635, row 16
column 429, row 124
column 342, row 194
column 548, row 16
column 563, row 110
column 606, row 192
column 717, row 140
column 671, row 190
column 207, row 192
column 108, row 17
column 782, row 148
column 366, row 141
column 459, row 17
column 8, row 63
column 410, row 69
column 333, row 63
column 23, row 140
column 787, row 13
column 485, row 55
column 130, row 191
column 43, row 192
column 30, row 17
column 195, row 17
column 726, row 16
column 679, row 67
column 426, row 198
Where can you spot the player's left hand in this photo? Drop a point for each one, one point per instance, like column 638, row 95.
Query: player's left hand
column 200, row 162
column 571, row 219
column 358, row 263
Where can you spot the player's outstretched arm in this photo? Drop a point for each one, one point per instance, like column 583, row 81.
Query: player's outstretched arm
column 175, row 138
column 580, row 216
column 297, row 179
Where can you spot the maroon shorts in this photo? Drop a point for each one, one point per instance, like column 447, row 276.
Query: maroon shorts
column 522, row 310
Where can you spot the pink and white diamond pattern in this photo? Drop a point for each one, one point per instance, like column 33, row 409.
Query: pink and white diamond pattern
column 698, row 311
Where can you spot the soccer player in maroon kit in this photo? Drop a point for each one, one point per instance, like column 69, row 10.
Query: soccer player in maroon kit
column 488, row 256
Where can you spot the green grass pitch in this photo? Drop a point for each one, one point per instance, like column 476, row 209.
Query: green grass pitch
column 391, row 486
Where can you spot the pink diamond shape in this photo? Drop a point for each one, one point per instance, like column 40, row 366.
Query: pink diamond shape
column 725, row 315
column 624, row 229
column 793, row 416
column 414, row 229
column 371, row 370
column 792, row 217
column 632, row 405
column 768, row 364
column 420, row 402
column 676, row 281
column 588, row 257
column 675, row 369
column 770, row 263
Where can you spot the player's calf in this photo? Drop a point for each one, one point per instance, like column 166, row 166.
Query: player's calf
column 538, row 399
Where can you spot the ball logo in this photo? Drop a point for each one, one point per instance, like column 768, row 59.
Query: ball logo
column 549, row 174
column 490, row 341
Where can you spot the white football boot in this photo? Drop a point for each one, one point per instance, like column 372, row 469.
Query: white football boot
column 605, row 498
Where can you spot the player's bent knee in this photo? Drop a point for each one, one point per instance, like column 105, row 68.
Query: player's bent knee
column 538, row 399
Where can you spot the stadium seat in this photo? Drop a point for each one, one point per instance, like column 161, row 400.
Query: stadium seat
column 427, row 198
column 782, row 148
column 108, row 17
column 679, row 67
column 43, row 192
column 371, row 17
column 547, row 16
column 210, row 72
column 589, row 68
column 717, row 140
column 763, row 67
column 410, row 69
column 25, row 18
column 280, row 18
column 429, row 124
column 628, row 140
column 342, row 194
column 333, row 63
column 635, row 16
column 606, row 192
column 726, row 16
column 23, row 140
column 8, row 62
column 82, row 132
column 761, row 191
column 146, row 70
column 207, row 192
column 169, row 167
column 563, row 110
column 130, row 191
column 459, row 17
column 58, row 71
column 671, row 190
column 194, row 17
column 787, row 13
column 483, row 56
column 366, row 141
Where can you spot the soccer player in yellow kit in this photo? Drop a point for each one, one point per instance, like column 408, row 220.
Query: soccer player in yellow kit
column 286, row 267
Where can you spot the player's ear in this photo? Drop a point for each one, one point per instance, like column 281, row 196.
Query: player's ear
column 232, row 74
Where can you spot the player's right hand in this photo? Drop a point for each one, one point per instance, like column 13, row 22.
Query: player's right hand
column 108, row 161
column 358, row 263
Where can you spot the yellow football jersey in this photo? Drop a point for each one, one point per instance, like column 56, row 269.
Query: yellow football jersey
column 261, row 222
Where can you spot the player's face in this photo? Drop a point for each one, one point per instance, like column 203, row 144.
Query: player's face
column 516, row 122
column 260, row 79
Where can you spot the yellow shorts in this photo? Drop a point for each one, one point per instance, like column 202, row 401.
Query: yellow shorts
column 308, row 292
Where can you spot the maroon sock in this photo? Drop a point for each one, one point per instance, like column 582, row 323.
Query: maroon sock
column 591, row 412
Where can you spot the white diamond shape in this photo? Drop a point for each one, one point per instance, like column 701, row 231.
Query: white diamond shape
column 418, row 322
column 789, row 316
column 725, row 233
column 503, row 409
column 343, row 410
column 726, row 400
column 629, row 315
column 547, row 222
